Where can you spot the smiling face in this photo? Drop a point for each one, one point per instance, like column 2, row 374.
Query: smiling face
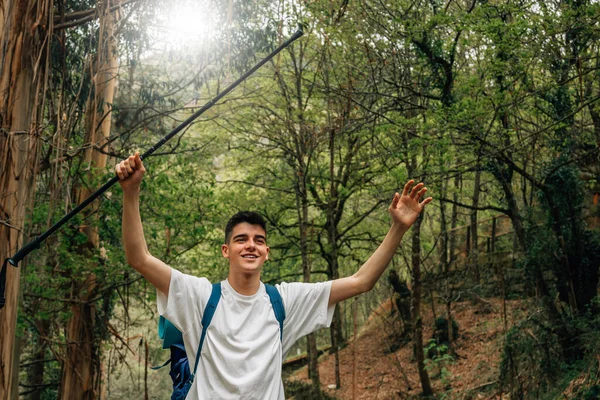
column 246, row 249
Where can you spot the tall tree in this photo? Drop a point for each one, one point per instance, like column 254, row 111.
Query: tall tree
column 82, row 364
column 25, row 28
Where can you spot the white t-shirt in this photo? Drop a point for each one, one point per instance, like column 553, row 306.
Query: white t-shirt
column 242, row 354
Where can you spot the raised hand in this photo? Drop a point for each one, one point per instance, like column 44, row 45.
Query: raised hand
column 406, row 208
column 130, row 172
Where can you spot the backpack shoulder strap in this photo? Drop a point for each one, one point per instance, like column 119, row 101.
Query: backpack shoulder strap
column 277, row 304
column 209, row 311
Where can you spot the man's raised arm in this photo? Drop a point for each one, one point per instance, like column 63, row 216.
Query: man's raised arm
column 131, row 172
column 404, row 211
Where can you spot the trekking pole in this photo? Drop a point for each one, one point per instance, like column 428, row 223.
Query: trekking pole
column 36, row 242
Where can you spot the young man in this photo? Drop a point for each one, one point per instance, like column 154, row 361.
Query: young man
column 242, row 353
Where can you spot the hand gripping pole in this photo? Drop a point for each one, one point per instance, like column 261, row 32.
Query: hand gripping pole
column 36, row 242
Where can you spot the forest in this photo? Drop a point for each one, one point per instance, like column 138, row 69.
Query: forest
column 493, row 104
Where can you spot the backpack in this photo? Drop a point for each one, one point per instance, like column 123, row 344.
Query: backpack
column 173, row 340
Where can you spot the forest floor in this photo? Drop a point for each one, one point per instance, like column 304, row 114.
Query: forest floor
column 384, row 371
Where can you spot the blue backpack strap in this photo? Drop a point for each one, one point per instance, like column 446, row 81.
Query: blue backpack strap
column 209, row 311
column 278, row 308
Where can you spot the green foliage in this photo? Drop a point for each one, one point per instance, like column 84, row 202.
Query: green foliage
column 440, row 331
column 531, row 359
column 372, row 95
column 559, row 240
column 541, row 352
column 533, row 363
column 437, row 364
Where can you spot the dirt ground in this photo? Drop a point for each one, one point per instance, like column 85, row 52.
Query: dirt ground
column 369, row 370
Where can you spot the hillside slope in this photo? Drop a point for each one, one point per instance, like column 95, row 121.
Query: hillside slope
column 385, row 373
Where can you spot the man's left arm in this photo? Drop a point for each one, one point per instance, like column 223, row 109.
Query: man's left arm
column 404, row 210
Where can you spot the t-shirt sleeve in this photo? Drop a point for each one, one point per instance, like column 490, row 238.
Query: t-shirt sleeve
column 306, row 308
column 184, row 305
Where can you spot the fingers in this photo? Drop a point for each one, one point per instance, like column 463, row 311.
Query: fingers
column 129, row 163
column 407, row 187
column 127, row 167
column 139, row 165
column 119, row 172
column 416, row 192
column 395, row 201
column 426, row 201
column 420, row 193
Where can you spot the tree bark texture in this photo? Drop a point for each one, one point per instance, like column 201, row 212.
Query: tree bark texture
column 24, row 28
column 80, row 373
column 302, row 153
column 474, row 259
column 311, row 339
column 417, row 320
column 334, row 273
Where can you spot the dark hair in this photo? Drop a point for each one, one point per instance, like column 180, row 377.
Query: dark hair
column 244, row 216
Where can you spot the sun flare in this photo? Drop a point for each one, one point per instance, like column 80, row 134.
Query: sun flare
column 187, row 22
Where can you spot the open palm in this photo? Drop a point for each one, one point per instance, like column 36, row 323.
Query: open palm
column 405, row 208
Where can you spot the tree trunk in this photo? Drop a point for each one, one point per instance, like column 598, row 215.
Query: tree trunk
column 444, row 237
column 311, row 339
column 334, row 273
column 454, row 220
column 36, row 371
column 474, row 259
column 302, row 207
column 336, row 324
column 417, row 321
column 302, row 152
column 82, row 365
column 514, row 212
column 445, row 271
column 24, row 26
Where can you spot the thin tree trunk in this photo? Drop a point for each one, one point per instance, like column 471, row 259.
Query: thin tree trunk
column 474, row 259
column 444, row 265
column 14, row 393
column 302, row 208
column 334, row 273
column 514, row 212
column 454, row 220
column 444, row 240
column 311, row 339
column 82, row 366
column 302, row 145
column 36, row 371
column 416, row 299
